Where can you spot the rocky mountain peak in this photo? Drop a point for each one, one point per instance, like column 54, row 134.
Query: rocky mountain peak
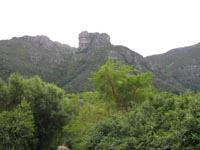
column 39, row 41
column 38, row 38
column 90, row 40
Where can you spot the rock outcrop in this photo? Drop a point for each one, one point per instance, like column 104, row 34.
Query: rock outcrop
column 93, row 40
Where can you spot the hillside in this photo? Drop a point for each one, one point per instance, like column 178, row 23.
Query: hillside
column 61, row 64
column 33, row 56
column 180, row 64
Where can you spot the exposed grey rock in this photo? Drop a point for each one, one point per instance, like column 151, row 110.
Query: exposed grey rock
column 38, row 41
column 90, row 40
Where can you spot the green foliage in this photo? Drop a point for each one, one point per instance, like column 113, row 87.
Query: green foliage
column 180, row 66
column 122, row 113
column 116, row 82
column 48, row 109
column 164, row 122
column 16, row 89
column 88, row 110
column 3, row 95
column 17, row 128
column 117, row 89
column 47, row 105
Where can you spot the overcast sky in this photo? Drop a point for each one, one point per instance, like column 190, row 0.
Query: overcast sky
column 145, row 26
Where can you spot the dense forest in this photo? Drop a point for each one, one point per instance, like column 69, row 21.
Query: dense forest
column 122, row 112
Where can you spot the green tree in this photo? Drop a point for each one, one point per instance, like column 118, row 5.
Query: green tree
column 3, row 95
column 49, row 110
column 17, row 128
column 164, row 121
column 46, row 102
column 115, row 87
column 88, row 111
column 16, row 89
column 116, row 82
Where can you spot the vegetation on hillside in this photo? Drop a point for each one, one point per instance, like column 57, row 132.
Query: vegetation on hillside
column 123, row 112
column 180, row 64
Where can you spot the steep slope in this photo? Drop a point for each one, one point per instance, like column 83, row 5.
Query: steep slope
column 61, row 64
column 181, row 64
column 33, row 56
column 94, row 50
column 70, row 67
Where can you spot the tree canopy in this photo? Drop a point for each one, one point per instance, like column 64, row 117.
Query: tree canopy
column 45, row 111
column 123, row 112
column 117, row 81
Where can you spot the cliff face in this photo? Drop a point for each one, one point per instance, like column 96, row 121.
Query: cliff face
column 93, row 40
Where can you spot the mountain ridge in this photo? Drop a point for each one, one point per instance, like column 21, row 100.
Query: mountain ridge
column 59, row 63
column 181, row 64
column 70, row 67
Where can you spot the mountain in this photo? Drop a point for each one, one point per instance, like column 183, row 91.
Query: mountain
column 61, row 64
column 180, row 64
column 70, row 67
column 33, row 56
